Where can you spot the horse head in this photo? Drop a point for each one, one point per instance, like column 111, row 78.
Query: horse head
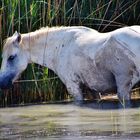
column 14, row 61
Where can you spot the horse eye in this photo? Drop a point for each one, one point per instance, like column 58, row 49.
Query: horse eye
column 11, row 57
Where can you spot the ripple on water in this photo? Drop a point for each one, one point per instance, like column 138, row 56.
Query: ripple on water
column 70, row 122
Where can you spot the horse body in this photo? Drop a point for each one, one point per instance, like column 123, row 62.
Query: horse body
column 78, row 55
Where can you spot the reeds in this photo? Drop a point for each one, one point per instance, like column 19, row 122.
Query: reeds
column 29, row 15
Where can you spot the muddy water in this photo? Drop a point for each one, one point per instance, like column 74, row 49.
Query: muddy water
column 69, row 122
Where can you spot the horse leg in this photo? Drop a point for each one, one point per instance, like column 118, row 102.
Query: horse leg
column 96, row 95
column 74, row 89
column 124, row 90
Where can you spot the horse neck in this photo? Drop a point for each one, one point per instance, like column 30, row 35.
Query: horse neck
column 43, row 47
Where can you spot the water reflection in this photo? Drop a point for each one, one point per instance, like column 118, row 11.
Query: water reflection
column 67, row 121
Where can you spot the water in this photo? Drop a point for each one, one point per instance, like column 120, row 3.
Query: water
column 69, row 122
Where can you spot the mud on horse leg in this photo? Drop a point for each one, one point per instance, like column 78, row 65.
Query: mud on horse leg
column 124, row 92
column 123, row 102
column 74, row 89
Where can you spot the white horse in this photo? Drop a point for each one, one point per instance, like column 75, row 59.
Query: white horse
column 78, row 55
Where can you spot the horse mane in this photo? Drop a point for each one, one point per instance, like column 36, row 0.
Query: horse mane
column 44, row 31
column 53, row 31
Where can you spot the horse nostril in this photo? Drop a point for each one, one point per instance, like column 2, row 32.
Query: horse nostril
column 5, row 84
column 6, row 80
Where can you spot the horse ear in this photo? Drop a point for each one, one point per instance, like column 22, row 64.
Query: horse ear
column 17, row 37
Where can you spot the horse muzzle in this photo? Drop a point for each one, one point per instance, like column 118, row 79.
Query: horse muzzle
column 6, row 79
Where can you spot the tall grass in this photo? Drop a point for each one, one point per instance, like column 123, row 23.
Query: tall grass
column 38, row 84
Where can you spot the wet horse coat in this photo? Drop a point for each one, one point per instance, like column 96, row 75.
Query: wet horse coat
column 78, row 55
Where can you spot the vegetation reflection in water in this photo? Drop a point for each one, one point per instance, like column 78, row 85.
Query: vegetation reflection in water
column 68, row 121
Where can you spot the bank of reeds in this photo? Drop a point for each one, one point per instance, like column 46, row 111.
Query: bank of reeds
column 38, row 84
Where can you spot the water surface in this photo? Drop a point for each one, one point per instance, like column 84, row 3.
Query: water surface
column 69, row 122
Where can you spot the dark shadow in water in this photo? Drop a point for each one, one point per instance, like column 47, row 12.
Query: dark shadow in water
column 110, row 104
column 94, row 104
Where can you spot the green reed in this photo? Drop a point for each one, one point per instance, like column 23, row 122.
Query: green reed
column 38, row 84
